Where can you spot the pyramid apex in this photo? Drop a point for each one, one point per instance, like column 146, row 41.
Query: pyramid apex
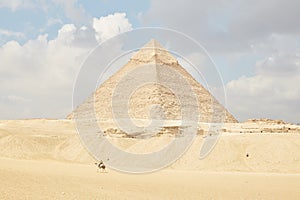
column 154, row 44
column 153, row 51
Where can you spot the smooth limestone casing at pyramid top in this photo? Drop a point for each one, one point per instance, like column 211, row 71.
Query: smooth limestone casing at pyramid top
column 142, row 100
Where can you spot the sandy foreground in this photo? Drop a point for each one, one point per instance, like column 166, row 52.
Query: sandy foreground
column 56, row 180
column 44, row 159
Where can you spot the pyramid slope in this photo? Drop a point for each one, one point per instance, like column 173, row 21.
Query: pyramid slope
column 142, row 100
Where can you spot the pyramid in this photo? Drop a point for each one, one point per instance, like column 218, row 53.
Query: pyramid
column 158, row 67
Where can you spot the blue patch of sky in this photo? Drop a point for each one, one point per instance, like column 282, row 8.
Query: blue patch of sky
column 54, row 13
column 24, row 21
column 96, row 8
column 33, row 22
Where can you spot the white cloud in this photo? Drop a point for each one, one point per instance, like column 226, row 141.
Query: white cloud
column 73, row 11
column 53, row 21
column 227, row 26
column 260, row 19
column 67, row 33
column 283, row 65
column 12, row 4
column 272, row 92
column 22, row 4
column 276, row 43
column 41, row 71
column 37, row 77
column 9, row 33
column 14, row 99
column 111, row 25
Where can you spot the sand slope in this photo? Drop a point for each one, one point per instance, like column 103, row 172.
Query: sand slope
column 41, row 140
column 44, row 159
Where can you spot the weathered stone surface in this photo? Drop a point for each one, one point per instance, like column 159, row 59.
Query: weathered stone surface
column 160, row 63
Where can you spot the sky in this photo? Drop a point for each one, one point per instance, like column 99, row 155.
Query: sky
column 255, row 45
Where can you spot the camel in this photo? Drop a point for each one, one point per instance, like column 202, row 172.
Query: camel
column 101, row 166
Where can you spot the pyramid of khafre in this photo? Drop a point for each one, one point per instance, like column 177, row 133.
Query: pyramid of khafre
column 140, row 103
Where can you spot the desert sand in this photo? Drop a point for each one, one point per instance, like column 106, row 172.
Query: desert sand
column 44, row 159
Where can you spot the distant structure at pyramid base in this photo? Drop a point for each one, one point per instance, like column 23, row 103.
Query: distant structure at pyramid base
column 156, row 65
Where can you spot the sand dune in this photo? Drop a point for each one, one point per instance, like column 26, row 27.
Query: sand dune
column 58, row 140
column 44, row 159
column 41, row 140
